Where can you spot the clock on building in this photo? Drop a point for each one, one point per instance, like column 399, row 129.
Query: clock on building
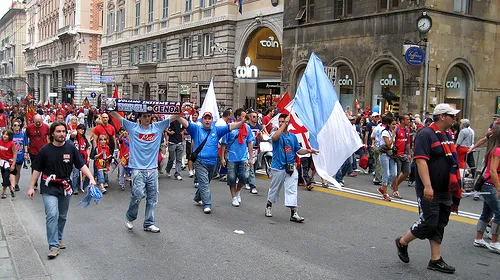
column 424, row 23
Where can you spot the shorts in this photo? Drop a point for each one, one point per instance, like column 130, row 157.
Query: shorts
column 403, row 163
column 238, row 169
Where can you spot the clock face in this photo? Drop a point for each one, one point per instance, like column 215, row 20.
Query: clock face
column 424, row 24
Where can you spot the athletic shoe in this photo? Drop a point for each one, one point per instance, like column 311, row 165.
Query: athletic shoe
column 238, row 195
column 495, row 247
column 207, row 210
column 106, row 185
column 310, row 187
column 129, row 225
column 269, row 212
column 179, row 178
column 481, row 243
column 196, row 185
column 199, row 203
column 53, row 253
column 16, row 188
column 152, row 228
column 75, row 192
column 223, row 178
column 375, row 182
column 402, row 251
column 441, row 266
column 61, row 245
column 216, row 177
column 254, row 190
column 169, row 175
column 296, row 218
column 122, row 187
column 13, row 193
column 247, row 186
column 357, row 170
column 191, row 173
column 183, row 167
column 235, row 202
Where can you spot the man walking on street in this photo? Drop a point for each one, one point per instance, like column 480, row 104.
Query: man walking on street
column 55, row 162
column 283, row 170
column 403, row 158
column 145, row 141
column 38, row 135
column 256, row 129
column 175, row 149
column 239, row 144
column 207, row 137
column 437, row 186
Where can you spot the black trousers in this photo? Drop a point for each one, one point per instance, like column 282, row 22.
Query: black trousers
column 434, row 216
column 472, row 164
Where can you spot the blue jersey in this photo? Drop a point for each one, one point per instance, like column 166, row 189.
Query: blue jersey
column 208, row 154
column 287, row 143
column 21, row 141
column 145, row 143
column 236, row 150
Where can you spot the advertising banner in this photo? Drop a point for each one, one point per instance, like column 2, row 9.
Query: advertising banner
column 146, row 106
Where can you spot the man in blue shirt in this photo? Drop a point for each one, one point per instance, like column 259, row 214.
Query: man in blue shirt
column 285, row 146
column 256, row 129
column 239, row 144
column 145, row 138
column 207, row 158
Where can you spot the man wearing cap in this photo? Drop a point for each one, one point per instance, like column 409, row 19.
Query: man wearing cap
column 207, row 157
column 437, row 186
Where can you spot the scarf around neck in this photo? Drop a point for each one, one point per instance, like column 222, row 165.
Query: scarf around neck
column 242, row 133
column 454, row 185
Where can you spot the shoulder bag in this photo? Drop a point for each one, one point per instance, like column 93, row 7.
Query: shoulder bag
column 194, row 154
column 289, row 167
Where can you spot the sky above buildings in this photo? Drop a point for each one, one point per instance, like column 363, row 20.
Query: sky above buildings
column 4, row 7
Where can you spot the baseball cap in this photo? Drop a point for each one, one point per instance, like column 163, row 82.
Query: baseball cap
column 496, row 116
column 444, row 108
column 375, row 114
column 206, row 114
column 351, row 118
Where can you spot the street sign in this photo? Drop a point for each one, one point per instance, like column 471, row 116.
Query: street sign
column 96, row 78
column 107, row 79
column 415, row 56
column 71, row 86
column 93, row 94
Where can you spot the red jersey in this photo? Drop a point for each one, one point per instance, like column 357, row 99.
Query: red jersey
column 108, row 130
column 266, row 121
column 6, row 150
column 124, row 151
column 102, row 162
column 3, row 120
column 402, row 139
column 37, row 137
column 72, row 127
column 81, row 144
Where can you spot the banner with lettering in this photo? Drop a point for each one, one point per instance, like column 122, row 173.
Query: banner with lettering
column 146, row 106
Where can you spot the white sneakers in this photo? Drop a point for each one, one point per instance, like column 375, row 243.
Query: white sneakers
column 191, row 173
column 235, row 202
column 129, row 225
column 178, row 177
column 207, row 210
column 493, row 246
column 481, row 243
column 238, row 195
column 152, row 228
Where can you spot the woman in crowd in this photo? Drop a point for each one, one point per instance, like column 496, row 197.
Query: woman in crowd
column 8, row 154
column 389, row 167
column 82, row 144
column 21, row 142
column 491, row 195
column 72, row 125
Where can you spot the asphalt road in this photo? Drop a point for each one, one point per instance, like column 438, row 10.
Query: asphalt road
column 346, row 235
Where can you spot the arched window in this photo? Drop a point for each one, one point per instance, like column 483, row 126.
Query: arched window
column 386, row 85
column 456, row 87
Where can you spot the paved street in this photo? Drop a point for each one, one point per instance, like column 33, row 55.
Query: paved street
column 346, row 235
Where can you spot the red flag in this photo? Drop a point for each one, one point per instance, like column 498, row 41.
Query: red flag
column 48, row 103
column 115, row 92
column 115, row 122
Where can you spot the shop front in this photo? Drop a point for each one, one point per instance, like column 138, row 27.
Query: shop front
column 386, row 88
column 258, row 72
column 456, row 87
column 343, row 83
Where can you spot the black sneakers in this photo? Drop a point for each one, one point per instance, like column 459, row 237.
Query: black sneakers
column 440, row 266
column 402, row 251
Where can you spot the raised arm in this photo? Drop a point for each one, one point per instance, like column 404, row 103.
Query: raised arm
column 181, row 120
column 236, row 124
column 116, row 116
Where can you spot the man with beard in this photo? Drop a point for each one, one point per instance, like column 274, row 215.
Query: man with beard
column 55, row 162
column 38, row 135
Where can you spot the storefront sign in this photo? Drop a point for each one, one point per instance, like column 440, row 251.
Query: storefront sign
column 414, row 56
column 389, row 81
column 143, row 106
column 247, row 71
column 453, row 84
column 345, row 82
column 203, row 88
column 71, row 86
column 331, row 72
column 217, row 47
column 273, row 85
column 270, row 43
column 52, row 94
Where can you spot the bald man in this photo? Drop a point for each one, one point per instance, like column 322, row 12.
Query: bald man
column 38, row 135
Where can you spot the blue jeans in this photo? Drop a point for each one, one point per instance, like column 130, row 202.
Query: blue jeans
column 56, row 210
column 237, row 170
column 204, row 174
column 251, row 177
column 102, row 177
column 343, row 170
column 490, row 207
column 144, row 184
column 76, row 180
column 389, row 169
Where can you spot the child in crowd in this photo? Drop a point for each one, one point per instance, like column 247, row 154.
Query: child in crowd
column 102, row 162
column 124, row 144
column 8, row 154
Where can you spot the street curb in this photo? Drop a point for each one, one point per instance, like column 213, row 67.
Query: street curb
column 25, row 258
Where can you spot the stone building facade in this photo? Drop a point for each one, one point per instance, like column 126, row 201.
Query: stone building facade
column 62, row 49
column 361, row 44
column 170, row 49
column 12, row 36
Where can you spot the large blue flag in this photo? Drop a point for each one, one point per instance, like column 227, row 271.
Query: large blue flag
column 318, row 107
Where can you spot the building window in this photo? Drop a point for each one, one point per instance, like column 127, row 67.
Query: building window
column 141, row 54
column 189, row 4
column 149, row 53
column 306, row 10
column 150, row 15
column 207, row 44
column 110, row 28
column 110, row 58
column 164, row 14
column 136, row 54
column 119, row 58
column 137, row 15
column 164, row 51
column 462, row 6
column 132, row 56
column 120, row 20
column 343, row 8
column 207, row 3
column 388, row 4
column 187, row 47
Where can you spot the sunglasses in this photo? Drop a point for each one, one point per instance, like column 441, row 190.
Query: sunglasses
column 16, row 124
column 452, row 116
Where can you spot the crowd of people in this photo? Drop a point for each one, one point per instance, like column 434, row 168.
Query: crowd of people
column 142, row 146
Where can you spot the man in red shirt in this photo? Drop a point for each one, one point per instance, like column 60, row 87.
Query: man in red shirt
column 105, row 129
column 266, row 120
column 403, row 159
column 38, row 135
